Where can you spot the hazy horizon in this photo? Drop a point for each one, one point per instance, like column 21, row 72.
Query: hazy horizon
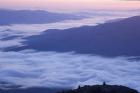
column 72, row 5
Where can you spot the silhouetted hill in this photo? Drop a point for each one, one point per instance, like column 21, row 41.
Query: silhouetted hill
column 110, row 39
column 8, row 17
column 102, row 89
column 85, row 89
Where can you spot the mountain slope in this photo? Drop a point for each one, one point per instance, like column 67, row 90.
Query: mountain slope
column 119, row 38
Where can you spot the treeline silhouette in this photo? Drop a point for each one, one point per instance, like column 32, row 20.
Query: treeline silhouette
column 102, row 89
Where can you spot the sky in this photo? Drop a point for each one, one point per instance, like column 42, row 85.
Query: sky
column 70, row 5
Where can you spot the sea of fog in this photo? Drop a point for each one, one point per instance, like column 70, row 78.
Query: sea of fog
column 52, row 69
column 66, row 70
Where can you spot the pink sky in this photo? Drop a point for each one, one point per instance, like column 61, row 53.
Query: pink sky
column 69, row 5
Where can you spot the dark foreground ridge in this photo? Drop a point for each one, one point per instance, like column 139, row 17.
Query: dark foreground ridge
column 86, row 89
column 102, row 89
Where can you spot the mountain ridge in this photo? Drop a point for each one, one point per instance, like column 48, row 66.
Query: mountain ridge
column 119, row 38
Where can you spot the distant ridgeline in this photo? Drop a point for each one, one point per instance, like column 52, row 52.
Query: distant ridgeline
column 119, row 38
column 102, row 89
column 8, row 17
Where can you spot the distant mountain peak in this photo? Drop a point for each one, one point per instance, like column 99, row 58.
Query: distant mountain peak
column 32, row 17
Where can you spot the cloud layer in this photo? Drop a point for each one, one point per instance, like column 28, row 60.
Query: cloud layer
column 51, row 69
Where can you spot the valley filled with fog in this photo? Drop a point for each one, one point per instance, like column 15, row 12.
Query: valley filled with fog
column 16, row 32
column 31, row 68
column 54, row 70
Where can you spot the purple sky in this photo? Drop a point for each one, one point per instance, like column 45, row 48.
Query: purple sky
column 69, row 5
